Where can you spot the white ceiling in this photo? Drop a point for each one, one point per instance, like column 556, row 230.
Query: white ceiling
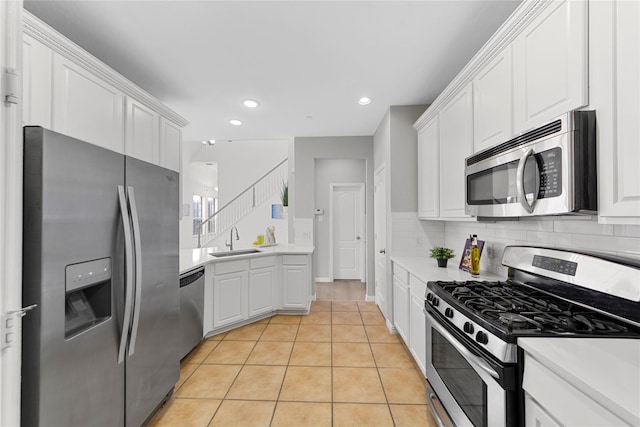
column 297, row 58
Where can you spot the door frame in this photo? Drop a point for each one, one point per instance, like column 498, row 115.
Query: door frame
column 381, row 169
column 363, row 239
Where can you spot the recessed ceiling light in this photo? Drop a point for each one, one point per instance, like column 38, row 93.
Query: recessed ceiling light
column 235, row 122
column 308, row 117
column 215, row 188
column 364, row 101
column 204, row 142
column 250, row 103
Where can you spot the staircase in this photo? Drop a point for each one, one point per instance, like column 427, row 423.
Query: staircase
column 241, row 205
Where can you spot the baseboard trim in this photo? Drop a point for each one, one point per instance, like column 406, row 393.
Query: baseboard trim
column 323, row 280
column 391, row 328
column 370, row 298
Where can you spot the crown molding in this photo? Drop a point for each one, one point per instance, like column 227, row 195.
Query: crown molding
column 45, row 34
column 503, row 37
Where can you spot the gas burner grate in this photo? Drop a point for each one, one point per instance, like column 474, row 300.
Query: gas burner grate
column 516, row 308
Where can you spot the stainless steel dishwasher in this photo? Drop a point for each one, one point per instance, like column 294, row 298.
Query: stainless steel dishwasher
column 191, row 309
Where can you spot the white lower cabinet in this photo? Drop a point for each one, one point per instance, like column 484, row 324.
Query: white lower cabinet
column 295, row 281
column 535, row 415
column 417, row 326
column 401, row 301
column 262, row 286
column 230, row 288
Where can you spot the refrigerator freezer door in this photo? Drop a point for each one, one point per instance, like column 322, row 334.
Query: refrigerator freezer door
column 72, row 227
column 153, row 368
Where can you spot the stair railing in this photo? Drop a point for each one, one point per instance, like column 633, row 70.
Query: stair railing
column 243, row 203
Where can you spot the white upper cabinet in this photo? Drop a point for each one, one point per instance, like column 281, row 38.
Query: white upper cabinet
column 37, row 61
column 428, row 171
column 550, row 64
column 170, row 145
column 493, row 102
column 456, row 144
column 67, row 90
column 142, row 129
column 614, row 70
column 85, row 106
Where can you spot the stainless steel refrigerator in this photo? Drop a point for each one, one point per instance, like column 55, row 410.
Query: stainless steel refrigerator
column 101, row 262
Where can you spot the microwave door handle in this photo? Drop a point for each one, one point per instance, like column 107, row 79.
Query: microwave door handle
column 128, row 252
column 468, row 355
column 520, row 182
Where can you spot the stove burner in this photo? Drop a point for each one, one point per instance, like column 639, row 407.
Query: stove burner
column 515, row 308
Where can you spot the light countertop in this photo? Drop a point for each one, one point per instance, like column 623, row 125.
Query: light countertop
column 607, row 370
column 193, row 258
column 426, row 269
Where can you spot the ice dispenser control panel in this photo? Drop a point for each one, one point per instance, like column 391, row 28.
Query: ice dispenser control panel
column 85, row 274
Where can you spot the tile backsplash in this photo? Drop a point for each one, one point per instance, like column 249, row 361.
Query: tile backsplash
column 584, row 233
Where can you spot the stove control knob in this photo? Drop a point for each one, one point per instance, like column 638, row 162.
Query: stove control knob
column 435, row 301
column 482, row 337
column 468, row 327
column 448, row 312
column 429, row 297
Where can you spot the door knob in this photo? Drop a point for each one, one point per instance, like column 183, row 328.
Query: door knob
column 357, row 237
column 382, row 251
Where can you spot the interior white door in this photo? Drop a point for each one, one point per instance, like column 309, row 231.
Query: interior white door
column 380, row 238
column 347, row 231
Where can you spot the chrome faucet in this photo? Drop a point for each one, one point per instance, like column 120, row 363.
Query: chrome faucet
column 229, row 244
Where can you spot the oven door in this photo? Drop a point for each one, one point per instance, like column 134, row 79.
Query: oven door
column 535, row 179
column 469, row 387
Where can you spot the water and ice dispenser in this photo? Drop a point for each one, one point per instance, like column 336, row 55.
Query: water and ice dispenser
column 87, row 295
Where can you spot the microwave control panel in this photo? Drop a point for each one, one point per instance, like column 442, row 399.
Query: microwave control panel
column 550, row 164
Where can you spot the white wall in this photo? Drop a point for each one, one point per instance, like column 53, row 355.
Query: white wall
column 331, row 171
column 302, row 189
column 197, row 178
column 577, row 234
column 241, row 163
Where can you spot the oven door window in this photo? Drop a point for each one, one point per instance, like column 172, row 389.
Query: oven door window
column 465, row 385
column 497, row 185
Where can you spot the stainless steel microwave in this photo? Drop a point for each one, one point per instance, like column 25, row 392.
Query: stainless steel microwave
column 550, row 170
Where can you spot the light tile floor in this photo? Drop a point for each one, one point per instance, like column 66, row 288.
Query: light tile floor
column 338, row 366
column 341, row 290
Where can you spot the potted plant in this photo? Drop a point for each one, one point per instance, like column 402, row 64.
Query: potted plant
column 442, row 254
column 284, row 195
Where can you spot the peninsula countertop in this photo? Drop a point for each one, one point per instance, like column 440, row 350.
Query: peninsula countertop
column 194, row 258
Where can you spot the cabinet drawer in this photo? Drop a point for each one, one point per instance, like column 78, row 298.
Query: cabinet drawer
column 294, row 260
column 401, row 273
column 231, row 267
column 417, row 286
column 267, row 261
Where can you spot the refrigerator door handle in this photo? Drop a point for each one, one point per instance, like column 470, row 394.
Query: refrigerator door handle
column 128, row 251
column 138, row 277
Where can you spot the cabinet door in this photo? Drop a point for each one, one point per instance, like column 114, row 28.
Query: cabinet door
column 86, row 107
column 428, row 171
column 295, row 283
column 401, row 308
column 535, row 416
column 456, row 144
column 417, row 331
column 229, row 298
column 615, row 75
column 550, row 65
column 170, row 145
column 37, row 63
column 142, row 129
column 262, row 283
column 493, row 102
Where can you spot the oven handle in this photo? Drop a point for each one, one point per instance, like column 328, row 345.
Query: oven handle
column 431, row 395
column 520, row 182
column 469, row 356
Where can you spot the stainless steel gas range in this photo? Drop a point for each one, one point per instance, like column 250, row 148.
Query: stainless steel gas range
column 474, row 365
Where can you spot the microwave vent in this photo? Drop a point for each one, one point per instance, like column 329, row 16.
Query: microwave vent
column 525, row 138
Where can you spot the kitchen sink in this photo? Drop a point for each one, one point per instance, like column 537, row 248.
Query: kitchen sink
column 234, row 253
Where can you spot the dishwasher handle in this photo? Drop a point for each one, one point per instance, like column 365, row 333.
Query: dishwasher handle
column 191, row 277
